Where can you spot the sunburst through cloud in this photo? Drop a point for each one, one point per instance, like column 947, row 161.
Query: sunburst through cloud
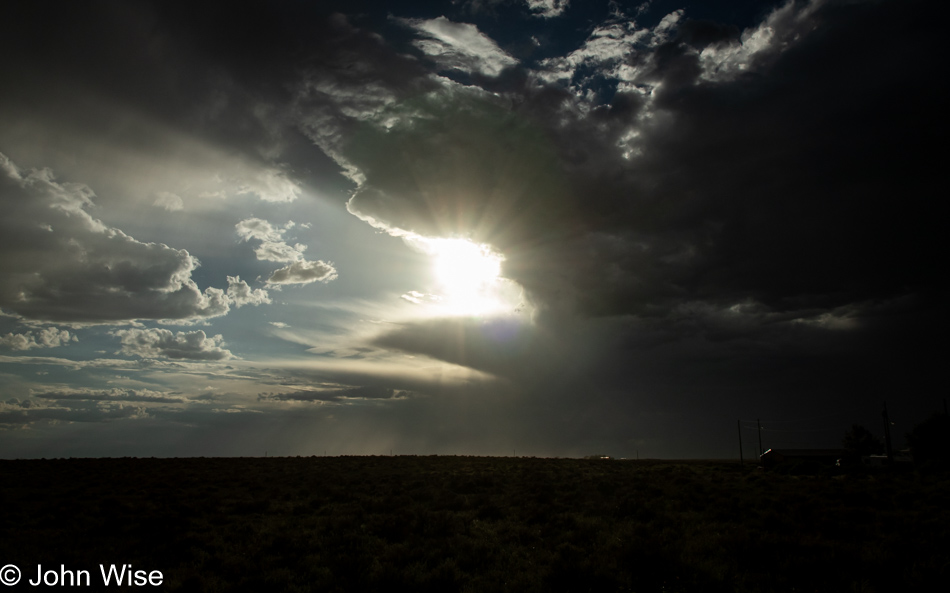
column 471, row 227
column 466, row 276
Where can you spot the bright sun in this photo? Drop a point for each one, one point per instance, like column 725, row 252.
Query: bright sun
column 466, row 274
column 462, row 267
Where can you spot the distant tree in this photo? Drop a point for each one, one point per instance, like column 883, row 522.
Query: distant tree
column 860, row 441
column 930, row 440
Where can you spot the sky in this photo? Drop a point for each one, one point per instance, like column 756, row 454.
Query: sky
column 469, row 227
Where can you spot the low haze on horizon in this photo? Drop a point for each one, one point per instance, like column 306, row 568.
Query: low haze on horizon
column 477, row 227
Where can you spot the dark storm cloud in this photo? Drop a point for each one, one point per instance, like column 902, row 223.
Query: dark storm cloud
column 508, row 347
column 782, row 184
column 774, row 166
column 180, row 65
column 352, row 76
column 706, row 219
column 650, row 167
column 458, row 164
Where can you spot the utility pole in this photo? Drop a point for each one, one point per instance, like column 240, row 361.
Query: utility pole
column 739, row 426
column 759, row 424
column 887, row 433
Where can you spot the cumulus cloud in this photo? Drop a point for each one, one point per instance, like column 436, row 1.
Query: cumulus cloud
column 272, row 247
column 260, row 230
column 59, row 263
column 241, row 294
column 47, row 337
column 163, row 343
column 22, row 413
column 460, row 46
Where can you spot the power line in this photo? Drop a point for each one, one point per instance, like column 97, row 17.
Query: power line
column 851, row 411
column 796, row 429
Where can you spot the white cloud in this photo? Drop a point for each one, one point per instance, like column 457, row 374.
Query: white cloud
column 259, row 229
column 48, row 337
column 279, row 251
column 272, row 247
column 460, row 45
column 606, row 50
column 241, row 294
column 547, row 8
column 162, row 343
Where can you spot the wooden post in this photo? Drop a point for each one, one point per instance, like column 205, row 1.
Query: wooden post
column 887, row 433
column 759, row 424
column 739, row 425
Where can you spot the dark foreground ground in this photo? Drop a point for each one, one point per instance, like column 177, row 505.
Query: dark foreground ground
column 476, row 524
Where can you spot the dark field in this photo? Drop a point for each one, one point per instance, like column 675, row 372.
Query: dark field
column 477, row 524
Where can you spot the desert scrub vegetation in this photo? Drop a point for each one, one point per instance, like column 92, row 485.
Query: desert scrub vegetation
column 478, row 524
